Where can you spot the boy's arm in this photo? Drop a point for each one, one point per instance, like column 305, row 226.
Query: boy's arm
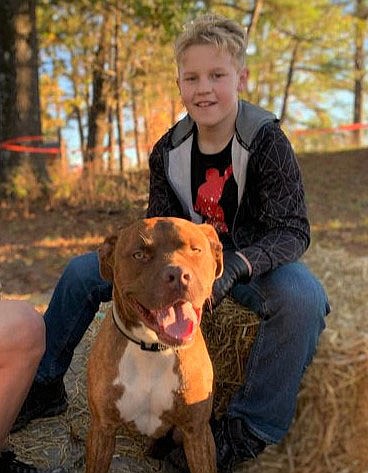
column 162, row 201
column 281, row 231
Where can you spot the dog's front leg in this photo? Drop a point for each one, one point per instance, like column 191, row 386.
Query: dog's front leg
column 200, row 450
column 100, row 448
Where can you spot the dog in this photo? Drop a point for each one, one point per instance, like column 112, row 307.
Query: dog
column 149, row 368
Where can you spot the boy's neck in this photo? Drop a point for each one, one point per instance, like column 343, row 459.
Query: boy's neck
column 212, row 141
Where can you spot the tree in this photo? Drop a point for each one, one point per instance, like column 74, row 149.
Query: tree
column 19, row 96
column 296, row 58
column 121, row 85
column 100, row 69
column 98, row 113
column 361, row 15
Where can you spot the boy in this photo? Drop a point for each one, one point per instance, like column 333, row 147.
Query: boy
column 227, row 163
column 22, row 344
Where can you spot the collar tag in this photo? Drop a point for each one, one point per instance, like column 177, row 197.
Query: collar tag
column 153, row 346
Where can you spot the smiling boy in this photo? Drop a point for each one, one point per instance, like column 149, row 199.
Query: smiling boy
column 228, row 163
column 209, row 81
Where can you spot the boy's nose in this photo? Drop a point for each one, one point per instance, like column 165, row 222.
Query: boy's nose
column 204, row 85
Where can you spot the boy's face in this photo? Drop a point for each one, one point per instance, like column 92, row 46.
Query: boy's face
column 209, row 81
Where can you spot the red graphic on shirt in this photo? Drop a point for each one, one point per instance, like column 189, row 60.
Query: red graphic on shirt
column 209, row 195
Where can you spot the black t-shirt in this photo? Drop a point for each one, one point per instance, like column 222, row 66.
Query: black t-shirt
column 214, row 190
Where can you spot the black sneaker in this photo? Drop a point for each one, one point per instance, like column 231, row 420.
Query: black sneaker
column 235, row 444
column 161, row 447
column 9, row 464
column 176, row 461
column 43, row 400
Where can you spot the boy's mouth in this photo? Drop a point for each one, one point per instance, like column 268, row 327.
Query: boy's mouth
column 205, row 104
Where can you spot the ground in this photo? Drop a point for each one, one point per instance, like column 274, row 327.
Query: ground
column 34, row 250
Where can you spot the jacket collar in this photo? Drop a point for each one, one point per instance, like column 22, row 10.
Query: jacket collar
column 249, row 120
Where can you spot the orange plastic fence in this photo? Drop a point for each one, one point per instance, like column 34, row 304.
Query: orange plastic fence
column 348, row 127
column 16, row 144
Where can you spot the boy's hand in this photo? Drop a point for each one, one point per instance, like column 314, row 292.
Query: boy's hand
column 235, row 269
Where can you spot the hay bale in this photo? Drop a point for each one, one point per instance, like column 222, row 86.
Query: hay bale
column 330, row 429
column 329, row 433
column 229, row 333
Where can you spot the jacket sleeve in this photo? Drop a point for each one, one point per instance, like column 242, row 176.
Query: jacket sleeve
column 162, row 201
column 273, row 227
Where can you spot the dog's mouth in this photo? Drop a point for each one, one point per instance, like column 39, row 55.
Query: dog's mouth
column 175, row 324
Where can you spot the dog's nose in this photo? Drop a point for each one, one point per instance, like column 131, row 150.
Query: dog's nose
column 176, row 276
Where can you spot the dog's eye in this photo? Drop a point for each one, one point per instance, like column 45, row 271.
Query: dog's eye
column 140, row 255
column 196, row 249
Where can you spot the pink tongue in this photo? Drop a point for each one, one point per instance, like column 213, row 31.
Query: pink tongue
column 178, row 321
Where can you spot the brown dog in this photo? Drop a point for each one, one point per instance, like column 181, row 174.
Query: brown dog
column 149, row 368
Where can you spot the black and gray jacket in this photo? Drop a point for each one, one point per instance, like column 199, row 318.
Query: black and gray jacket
column 270, row 226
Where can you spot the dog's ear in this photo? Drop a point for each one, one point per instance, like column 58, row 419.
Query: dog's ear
column 216, row 246
column 106, row 257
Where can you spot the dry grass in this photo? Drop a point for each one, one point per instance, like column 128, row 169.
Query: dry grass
column 331, row 425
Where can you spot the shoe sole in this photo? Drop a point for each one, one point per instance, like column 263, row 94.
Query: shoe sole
column 50, row 412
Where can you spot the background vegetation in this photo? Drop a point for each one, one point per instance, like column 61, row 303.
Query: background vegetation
column 105, row 69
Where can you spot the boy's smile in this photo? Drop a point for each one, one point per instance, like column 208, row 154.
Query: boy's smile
column 209, row 81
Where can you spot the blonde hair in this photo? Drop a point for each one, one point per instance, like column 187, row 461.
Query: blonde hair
column 214, row 30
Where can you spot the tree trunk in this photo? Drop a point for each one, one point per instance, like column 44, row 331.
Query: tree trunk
column 359, row 71
column 254, row 17
column 19, row 91
column 97, row 120
column 252, row 26
column 78, row 114
column 147, row 138
column 135, row 124
column 111, row 143
column 289, row 81
column 119, row 79
column 120, row 131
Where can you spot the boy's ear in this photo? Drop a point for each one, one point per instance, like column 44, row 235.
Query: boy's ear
column 242, row 80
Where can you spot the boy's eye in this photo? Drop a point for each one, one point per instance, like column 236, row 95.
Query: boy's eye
column 218, row 75
column 190, row 79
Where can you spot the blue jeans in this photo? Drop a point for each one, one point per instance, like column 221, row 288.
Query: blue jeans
column 291, row 304
column 73, row 305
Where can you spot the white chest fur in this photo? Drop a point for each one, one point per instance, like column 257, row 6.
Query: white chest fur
column 149, row 383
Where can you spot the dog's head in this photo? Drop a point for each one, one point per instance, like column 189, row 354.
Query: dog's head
column 162, row 271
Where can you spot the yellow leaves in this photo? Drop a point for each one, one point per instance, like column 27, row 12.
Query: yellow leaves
column 24, row 184
column 52, row 98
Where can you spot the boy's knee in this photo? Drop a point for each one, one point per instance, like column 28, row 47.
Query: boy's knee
column 31, row 330
column 82, row 278
column 75, row 265
column 300, row 291
column 298, row 300
column 81, row 267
